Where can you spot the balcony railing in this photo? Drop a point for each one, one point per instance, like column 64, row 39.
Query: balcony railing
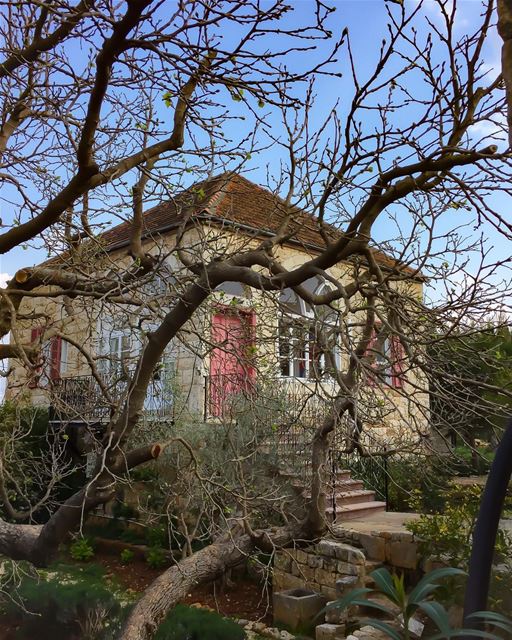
column 81, row 399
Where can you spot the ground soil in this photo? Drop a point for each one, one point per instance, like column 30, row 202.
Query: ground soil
column 244, row 598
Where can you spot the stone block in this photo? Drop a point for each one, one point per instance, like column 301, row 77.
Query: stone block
column 348, row 569
column 402, row 536
column 298, row 609
column 322, row 576
column 282, row 581
column 345, row 585
column 301, row 556
column 330, row 632
column 314, row 561
column 328, row 592
column 283, row 562
column 327, row 548
column 350, row 554
column 402, row 554
column 374, row 546
column 305, row 572
column 330, row 564
column 335, row 615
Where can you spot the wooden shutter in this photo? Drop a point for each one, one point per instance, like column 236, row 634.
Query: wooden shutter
column 397, row 362
column 371, row 352
column 35, row 374
column 55, row 356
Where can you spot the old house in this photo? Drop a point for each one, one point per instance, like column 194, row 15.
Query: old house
column 244, row 343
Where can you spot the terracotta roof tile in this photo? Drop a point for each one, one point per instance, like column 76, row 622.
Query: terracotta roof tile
column 232, row 199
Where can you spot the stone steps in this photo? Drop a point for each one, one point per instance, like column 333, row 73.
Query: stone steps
column 354, row 497
column 351, row 498
column 356, row 510
column 347, row 487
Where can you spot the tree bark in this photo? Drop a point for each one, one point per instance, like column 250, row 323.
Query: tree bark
column 205, row 565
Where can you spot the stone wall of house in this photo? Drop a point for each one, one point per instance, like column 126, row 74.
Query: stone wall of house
column 403, row 419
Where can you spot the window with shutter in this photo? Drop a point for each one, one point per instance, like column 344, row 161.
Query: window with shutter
column 55, row 357
column 397, row 362
column 306, row 336
column 35, row 334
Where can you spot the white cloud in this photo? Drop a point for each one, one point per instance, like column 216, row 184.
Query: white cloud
column 4, row 279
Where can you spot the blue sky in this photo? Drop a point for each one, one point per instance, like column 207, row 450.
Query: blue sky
column 366, row 22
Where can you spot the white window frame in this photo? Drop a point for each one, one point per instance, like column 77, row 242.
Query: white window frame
column 306, row 320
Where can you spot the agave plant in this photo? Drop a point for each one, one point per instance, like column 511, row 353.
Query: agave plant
column 392, row 588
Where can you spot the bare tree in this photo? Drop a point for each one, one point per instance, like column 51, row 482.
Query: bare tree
column 109, row 108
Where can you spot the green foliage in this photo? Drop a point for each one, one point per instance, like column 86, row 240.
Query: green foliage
column 156, row 536
column 188, row 623
column 468, row 461
column 448, row 535
column 144, row 473
column 425, row 475
column 155, row 557
column 391, row 587
column 66, row 601
column 81, row 550
column 127, row 556
column 123, row 510
column 476, row 410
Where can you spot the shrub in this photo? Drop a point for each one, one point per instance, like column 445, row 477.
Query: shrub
column 187, row 623
column 156, row 536
column 81, row 550
column 468, row 462
column 123, row 510
column 65, row 601
column 155, row 557
column 127, row 556
column 391, row 588
column 448, row 535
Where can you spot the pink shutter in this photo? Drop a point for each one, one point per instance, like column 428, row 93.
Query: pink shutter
column 397, row 362
column 55, row 356
column 371, row 353
column 36, row 372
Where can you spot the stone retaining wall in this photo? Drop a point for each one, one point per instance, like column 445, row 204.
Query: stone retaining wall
column 398, row 549
column 328, row 567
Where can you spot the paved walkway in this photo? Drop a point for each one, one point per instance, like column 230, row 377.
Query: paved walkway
column 387, row 521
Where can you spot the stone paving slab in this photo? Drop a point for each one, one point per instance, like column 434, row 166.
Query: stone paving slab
column 385, row 522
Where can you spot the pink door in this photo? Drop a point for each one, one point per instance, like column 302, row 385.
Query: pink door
column 231, row 368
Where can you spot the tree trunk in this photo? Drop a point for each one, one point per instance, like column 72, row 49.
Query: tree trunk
column 204, row 566
column 17, row 541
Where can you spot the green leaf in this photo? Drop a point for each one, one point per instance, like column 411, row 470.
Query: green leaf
column 167, row 98
column 439, row 616
column 372, row 604
column 384, row 582
column 428, row 583
column 347, row 600
column 462, row 633
column 491, row 617
column 383, row 626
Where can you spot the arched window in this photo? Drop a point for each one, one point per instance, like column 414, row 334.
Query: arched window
column 235, row 289
column 307, row 335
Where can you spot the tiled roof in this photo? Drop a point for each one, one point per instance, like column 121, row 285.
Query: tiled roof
column 231, row 199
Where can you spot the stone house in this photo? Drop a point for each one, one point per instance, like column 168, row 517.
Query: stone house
column 239, row 339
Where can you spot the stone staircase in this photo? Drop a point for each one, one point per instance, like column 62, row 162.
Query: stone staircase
column 346, row 498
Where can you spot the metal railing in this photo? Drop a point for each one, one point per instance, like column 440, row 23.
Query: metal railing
column 81, row 399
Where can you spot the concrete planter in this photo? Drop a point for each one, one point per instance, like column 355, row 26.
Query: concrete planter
column 297, row 609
